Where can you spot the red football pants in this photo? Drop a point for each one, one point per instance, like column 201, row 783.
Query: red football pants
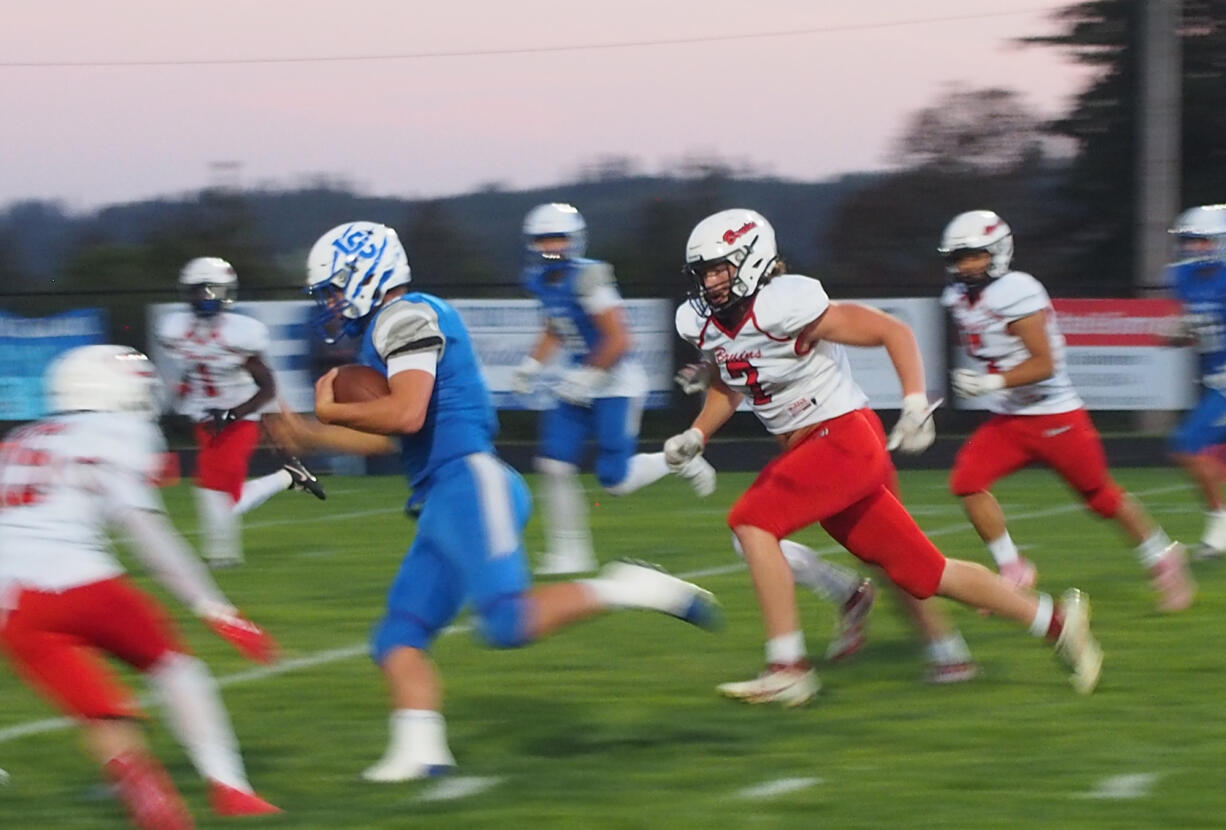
column 840, row 475
column 53, row 640
column 1067, row 442
column 223, row 457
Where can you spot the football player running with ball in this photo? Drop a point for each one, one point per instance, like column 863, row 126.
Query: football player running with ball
column 600, row 395
column 777, row 340
column 224, row 383
column 468, row 550
column 64, row 598
column 1007, row 326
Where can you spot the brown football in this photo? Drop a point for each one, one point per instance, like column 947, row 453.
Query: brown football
column 355, row 383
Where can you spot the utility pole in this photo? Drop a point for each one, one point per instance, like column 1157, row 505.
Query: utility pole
column 1159, row 131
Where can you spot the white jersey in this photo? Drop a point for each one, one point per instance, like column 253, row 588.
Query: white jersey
column 983, row 325
column 210, row 354
column 759, row 358
column 62, row 482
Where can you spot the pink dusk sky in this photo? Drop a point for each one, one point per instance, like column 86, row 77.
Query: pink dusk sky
column 830, row 97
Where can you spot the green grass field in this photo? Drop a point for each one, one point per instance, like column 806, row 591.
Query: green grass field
column 615, row 724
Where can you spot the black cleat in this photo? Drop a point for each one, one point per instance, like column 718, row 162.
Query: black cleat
column 303, row 479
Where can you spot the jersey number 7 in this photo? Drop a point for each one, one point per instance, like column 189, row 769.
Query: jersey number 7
column 745, row 369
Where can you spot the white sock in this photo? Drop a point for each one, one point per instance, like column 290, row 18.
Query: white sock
column 1215, row 530
column 786, row 648
column 564, row 509
column 644, row 468
column 419, row 734
column 1149, row 552
column 256, row 491
column 1003, row 550
column 949, row 649
column 219, row 525
column 831, row 582
column 1042, row 616
column 199, row 719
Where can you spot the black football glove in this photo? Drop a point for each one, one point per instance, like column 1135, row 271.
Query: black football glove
column 219, row 419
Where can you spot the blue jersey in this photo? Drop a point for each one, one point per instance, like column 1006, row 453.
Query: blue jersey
column 572, row 292
column 460, row 419
column 1202, row 290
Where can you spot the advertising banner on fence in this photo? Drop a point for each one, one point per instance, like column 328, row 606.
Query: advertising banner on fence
column 27, row 347
column 872, row 368
column 1117, row 357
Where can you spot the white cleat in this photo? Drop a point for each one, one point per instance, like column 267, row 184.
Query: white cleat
column 700, row 474
column 390, row 771
column 788, row 684
column 946, row 673
column 655, row 590
column 563, row 562
column 1204, row 552
column 1076, row 645
column 1170, row 578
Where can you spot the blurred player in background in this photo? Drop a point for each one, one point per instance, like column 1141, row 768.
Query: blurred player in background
column 225, row 382
column 1198, row 276
column 600, row 395
column 64, row 598
column 777, row 340
column 949, row 658
column 1006, row 323
column 472, row 507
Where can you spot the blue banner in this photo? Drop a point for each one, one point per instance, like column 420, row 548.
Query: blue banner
column 28, row 345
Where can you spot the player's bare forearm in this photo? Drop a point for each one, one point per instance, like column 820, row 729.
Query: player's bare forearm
column 721, row 402
column 300, row 435
column 545, row 346
column 614, row 339
column 853, row 324
column 1032, row 331
column 403, row 412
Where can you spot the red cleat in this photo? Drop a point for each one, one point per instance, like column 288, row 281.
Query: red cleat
column 146, row 790
column 229, row 801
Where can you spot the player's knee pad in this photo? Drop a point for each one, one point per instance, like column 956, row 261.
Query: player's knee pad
column 504, row 621
column 397, row 631
column 554, row 467
column 1106, row 500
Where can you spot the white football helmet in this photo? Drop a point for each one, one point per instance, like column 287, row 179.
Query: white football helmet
column 209, row 284
column 978, row 230
column 1196, row 226
column 103, row 378
column 350, row 269
column 556, row 219
column 741, row 237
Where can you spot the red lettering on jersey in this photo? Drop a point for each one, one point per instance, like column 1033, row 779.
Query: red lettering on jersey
column 722, row 355
column 731, row 235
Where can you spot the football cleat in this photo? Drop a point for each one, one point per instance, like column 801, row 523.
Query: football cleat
column 1020, row 572
column 567, row 561
column 849, row 627
column 654, row 589
column 788, row 684
column 954, row 672
column 146, row 790
column 393, row 768
column 1170, row 578
column 231, row 801
column 1203, row 552
column 700, row 474
column 1076, row 645
column 303, row 479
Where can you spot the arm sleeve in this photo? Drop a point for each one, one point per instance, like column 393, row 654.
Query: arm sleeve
column 169, row 559
column 596, row 289
column 408, row 336
column 1021, row 296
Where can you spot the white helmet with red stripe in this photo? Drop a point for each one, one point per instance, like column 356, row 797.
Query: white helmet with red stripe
column 978, row 230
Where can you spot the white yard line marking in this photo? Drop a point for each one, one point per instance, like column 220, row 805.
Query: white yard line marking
column 778, row 787
column 320, row 658
column 1122, row 787
column 460, row 786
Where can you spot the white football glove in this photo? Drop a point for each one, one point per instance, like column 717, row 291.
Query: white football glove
column 693, row 378
column 915, row 430
column 968, row 383
column 523, row 379
column 578, row 385
column 683, row 448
